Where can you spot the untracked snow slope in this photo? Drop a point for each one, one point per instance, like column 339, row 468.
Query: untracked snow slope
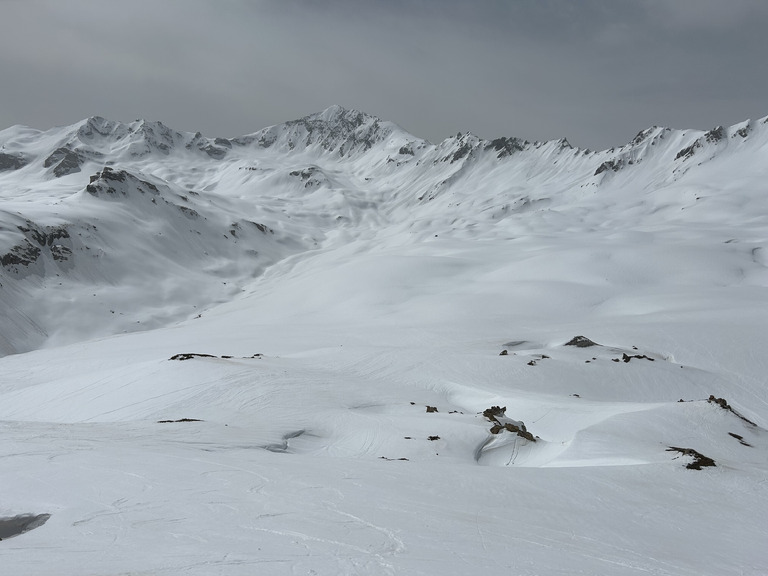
column 330, row 347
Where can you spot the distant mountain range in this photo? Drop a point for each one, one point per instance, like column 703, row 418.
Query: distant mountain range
column 97, row 210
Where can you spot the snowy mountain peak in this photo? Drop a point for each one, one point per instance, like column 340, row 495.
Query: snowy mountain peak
column 343, row 131
column 336, row 114
column 147, row 137
column 97, row 138
column 97, row 127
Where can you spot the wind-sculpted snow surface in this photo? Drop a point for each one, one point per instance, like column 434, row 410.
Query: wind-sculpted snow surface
column 330, row 347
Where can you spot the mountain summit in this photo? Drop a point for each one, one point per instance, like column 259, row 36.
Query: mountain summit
column 335, row 129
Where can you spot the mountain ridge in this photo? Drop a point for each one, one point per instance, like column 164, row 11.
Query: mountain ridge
column 318, row 182
column 328, row 126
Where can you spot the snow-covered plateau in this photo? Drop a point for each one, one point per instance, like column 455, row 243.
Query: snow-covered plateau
column 333, row 348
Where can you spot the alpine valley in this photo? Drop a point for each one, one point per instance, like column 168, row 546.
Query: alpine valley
column 331, row 347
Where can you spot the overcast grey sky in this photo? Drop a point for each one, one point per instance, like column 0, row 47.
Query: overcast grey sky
column 593, row 71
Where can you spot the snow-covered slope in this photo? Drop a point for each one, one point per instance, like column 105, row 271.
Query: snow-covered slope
column 331, row 347
column 191, row 215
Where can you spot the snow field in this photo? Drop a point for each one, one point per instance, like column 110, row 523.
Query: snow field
column 328, row 418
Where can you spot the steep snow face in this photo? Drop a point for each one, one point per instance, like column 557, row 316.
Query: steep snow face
column 330, row 347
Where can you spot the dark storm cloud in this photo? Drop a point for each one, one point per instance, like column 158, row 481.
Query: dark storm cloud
column 595, row 72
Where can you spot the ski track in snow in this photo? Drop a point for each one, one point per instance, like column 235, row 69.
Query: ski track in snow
column 353, row 299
